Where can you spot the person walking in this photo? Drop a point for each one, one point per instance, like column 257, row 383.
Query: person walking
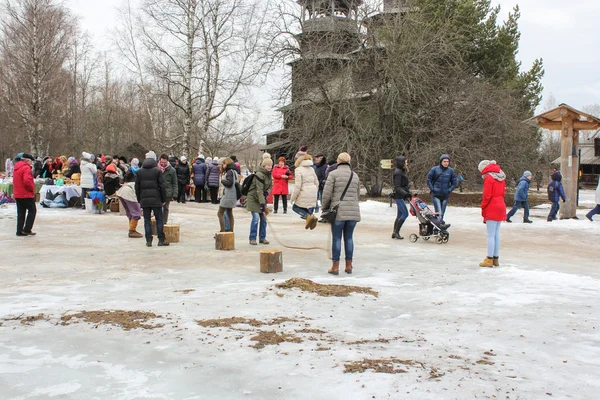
column 441, row 181
column 256, row 201
column 199, row 170
column 342, row 190
column 320, row 167
column 128, row 199
column 521, row 196
column 24, row 193
column 493, row 209
column 401, row 194
column 213, row 179
column 229, row 198
column 88, row 176
column 281, row 177
column 171, row 184
column 306, row 185
column 151, row 193
column 556, row 192
column 596, row 209
column 183, row 178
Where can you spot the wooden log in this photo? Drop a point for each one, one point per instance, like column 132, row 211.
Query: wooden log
column 224, row 241
column 172, row 233
column 271, row 261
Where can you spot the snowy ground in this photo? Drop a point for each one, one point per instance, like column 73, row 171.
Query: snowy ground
column 529, row 329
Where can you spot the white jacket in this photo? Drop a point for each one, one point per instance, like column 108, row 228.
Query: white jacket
column 88, row 171
column 598, row 193
column 306, row 183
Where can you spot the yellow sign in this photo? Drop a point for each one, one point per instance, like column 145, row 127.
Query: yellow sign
column 386, row 164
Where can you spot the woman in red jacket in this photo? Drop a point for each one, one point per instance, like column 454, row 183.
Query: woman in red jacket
column 493, row 208
column 24, row 191
column 281, row 175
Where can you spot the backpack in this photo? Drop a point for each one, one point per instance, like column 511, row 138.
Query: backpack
column 248, row 182
column 551, row 189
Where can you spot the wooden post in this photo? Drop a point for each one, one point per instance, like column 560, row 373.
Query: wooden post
column 172, row 233
column 572, row 204
column 224, row 241
column 271, row 261
column 566, row 166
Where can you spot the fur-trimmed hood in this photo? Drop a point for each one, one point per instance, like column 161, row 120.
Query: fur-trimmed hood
column 302, row 158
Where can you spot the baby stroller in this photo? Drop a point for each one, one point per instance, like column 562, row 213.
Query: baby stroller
column 430, row 223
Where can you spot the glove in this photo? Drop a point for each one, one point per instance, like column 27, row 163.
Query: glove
column 262, row 208
column 265, row 194
column 563, row 201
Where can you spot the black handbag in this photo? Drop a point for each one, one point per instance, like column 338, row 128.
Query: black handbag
column 331, row 214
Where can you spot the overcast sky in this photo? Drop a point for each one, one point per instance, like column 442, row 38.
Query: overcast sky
column 564, row 33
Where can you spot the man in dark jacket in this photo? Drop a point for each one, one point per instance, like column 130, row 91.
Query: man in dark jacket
column 151, row 194
column 213, row 179
column 320, row 167
column 199, row 169
column 24, row 192
column 441, row 181
column 183, row 178
column 171, row 185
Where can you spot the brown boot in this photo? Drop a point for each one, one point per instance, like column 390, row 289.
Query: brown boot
column 488, row 262
column 496, row 262
column 313, row 222
column 348, row 269
column 308, row 221
column 133, row 233
column 335, row 268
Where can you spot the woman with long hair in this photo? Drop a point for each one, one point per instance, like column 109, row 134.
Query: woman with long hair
column 401, row 193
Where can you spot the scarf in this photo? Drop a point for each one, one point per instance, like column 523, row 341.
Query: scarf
column 163, row 168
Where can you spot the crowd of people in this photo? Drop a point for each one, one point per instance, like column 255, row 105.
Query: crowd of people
column 147, row 190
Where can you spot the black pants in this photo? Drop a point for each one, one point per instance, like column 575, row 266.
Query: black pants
column 25, row 206
column 200, row 194
column 84, row 194
column 181, row 193
column 158, row 216
column 214, row 195
column 276, row 201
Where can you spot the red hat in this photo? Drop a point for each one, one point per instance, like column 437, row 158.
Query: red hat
column 111, row 168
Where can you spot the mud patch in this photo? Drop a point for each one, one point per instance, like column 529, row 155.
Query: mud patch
column 32, row 318
column 184, row 291
column 228, row 322
column 379, row 340
column 310, row 330
column 121, row 318
column 266, row 338
column 386, row 366
column 325, row 290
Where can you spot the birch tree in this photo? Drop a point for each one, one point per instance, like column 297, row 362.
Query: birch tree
column 36, row 39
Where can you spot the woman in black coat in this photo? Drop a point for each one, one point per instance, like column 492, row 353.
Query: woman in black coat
column 401, row 193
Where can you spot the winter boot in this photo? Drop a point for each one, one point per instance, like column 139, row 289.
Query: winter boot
column 508, row 219
column 313, row 222
column 149, row 242
column 335, row 268
column 488, row 262
column 308, row 221
column 348, row 269
column 133, row 229
column 163, row 242
column 527, row 221
column 397, row 226
column 496, row 262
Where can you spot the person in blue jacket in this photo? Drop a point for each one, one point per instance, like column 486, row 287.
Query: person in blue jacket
column 441, row 181
column 521, row 196
column 556, row 192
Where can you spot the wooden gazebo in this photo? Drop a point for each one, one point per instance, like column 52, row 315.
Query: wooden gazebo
column 570, row 121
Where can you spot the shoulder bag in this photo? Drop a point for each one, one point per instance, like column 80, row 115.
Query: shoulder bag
column 331, row 214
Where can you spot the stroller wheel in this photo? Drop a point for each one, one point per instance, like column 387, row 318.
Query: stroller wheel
column 426, row 237
column 445, row 237
column 413, row 237
column 439, row 240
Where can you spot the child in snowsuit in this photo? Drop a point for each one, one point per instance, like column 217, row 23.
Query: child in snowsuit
column 521, row 196
column 555, row 193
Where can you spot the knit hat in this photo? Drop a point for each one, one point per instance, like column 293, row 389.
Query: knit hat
column 111, row 168
column 27, row 156
column 484, row 164
column 151, row 155
column 135, row 162
column 86, row 155
column 267, row 161
column 527, row 173
column 266, row 155
column 343, row 158
column 201, row 156
column 183, row 158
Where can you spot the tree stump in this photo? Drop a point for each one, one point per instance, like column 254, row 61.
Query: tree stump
column 224, row 241
column 172, row 233
column 271, row 261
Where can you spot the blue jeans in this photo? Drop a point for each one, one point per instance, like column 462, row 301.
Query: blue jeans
column 158, row 216
column 594, row 211
column 319, row 198
column 304, row 212
column 493, row 238
column 339, row 229
column 226, row 217
column 554, row 210
column 515, row 208
column 254, row 226
column 402, row 210
column 440, row 205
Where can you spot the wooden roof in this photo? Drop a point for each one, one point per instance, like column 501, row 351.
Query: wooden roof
column 552, row 119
